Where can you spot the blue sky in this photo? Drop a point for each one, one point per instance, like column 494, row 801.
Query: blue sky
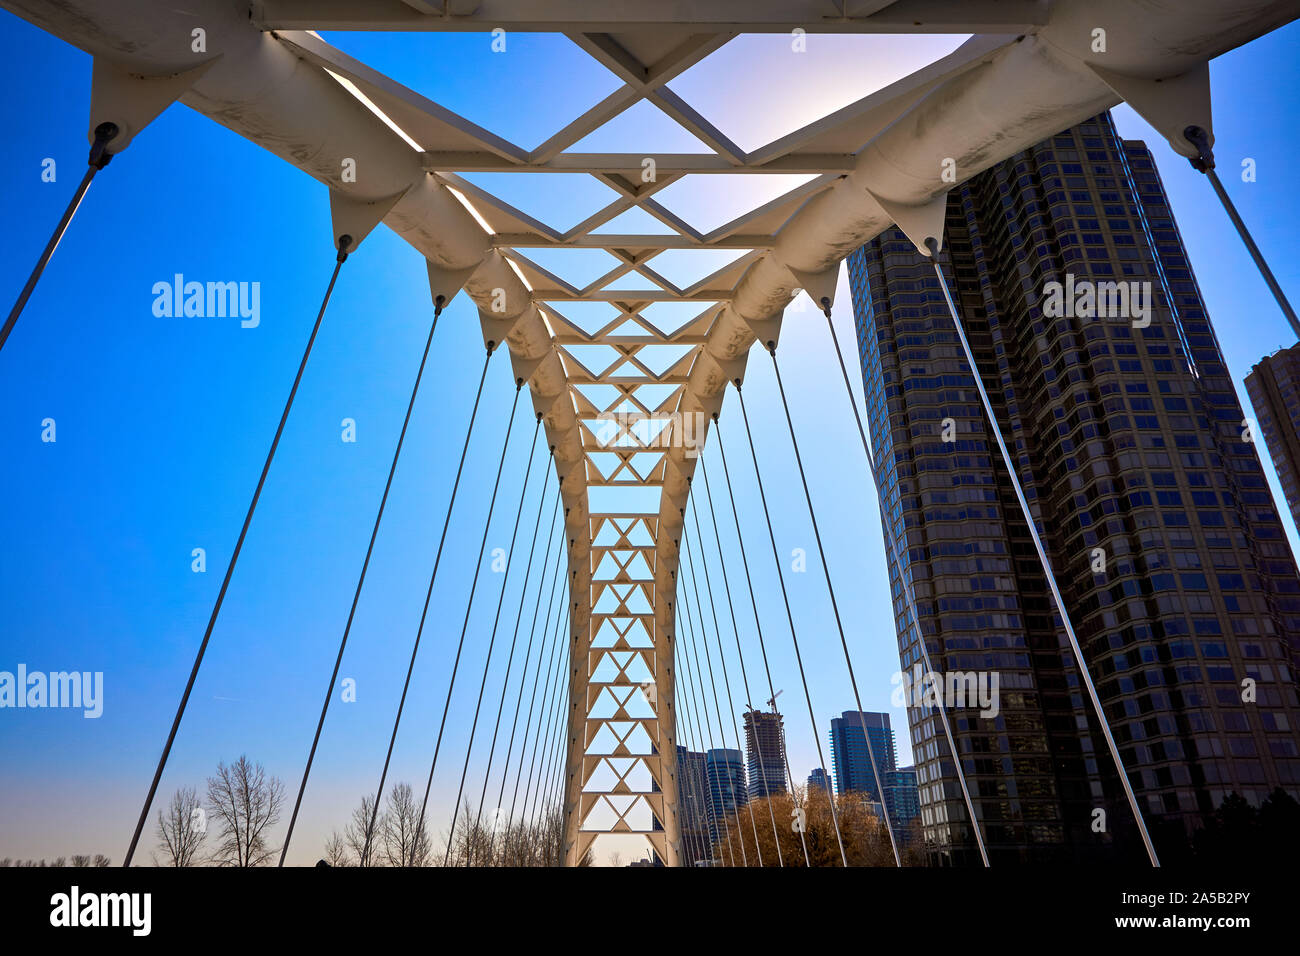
column 163, row 423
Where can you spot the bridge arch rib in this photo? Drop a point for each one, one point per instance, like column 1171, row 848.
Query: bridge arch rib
column 871, row 164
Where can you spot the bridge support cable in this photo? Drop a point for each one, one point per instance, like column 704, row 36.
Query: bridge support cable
column 551, row 796
column 528, row 654
column 1204, row 163
column 715, row 811
column 99, row 158
column 519, row 615
column 909, row 596
column 933, row 246
column 415, row 647
column 344, row 244
column 685, row 720
column 496, row 621
column 731, row 610
column 717, row 706
column 700, row 704
column 711, row 810
column 542, row 735
column 803, row 677
column 550, row 637
column 469, row 602
column 835, row 607
column 554, row 727
column 762, row 646
column 361, row 580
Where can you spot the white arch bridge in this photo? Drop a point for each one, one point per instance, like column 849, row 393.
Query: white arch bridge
column 625, row 405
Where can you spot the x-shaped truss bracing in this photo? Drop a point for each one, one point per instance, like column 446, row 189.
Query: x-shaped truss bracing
column 626, row 399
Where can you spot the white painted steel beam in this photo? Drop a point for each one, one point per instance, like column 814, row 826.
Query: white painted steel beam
column 1031, row 73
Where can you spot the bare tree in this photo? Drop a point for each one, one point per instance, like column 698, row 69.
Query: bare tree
column 101, row 860
column 363, row 851
column 406, row 839
column 80, row 860
column 182, row 828
column 521, row 843
column 246, row 802
column 336, row 851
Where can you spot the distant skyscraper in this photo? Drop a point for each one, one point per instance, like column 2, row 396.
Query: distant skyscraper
column 819, row 778
column 1274, row 387
column 1155, row 515
column 901, row 798
column 849, row 754
column 765, row 743
column 693, row 802
column 726, row 778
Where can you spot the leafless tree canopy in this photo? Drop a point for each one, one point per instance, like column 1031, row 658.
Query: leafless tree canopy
column 336, row 851
column 180, row 835
column 77, row 860
column 245, row 803
column 492, row 842
column 405, row 837
column 358, row 849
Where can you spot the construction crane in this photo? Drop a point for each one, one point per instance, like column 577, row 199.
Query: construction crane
column 771, row 701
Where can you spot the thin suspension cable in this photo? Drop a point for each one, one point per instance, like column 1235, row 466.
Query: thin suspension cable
column 523, row 676
column 548, row 802
column 361, row 580
column 689, row 631
column 543, row 763
column 501, row 599
column 762, row 646
column 565, row 694
column 558, row 730
column 542, row 730
column 696, row 642
column 548, row 635
column 699, row 679
column 415, row 647
column 344, row 243
column 692, row 811
column 717, row 706
column 556, row 760
column 835, row 607
column 469, row 604
column 909, row 597
column 722, row 658
column 519, row 615
column 99, row 158
column 749, row 701
column 933, row 246
column 803, row 677
column 1204, row 163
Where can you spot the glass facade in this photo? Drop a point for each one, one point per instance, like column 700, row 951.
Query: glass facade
column 1127, row 436
column 1274, row 387
column 765, row 743
column 726, row 772
column 850, row 757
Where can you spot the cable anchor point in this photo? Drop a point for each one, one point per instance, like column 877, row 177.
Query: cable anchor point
column 99, row 154
column 1198, row 137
